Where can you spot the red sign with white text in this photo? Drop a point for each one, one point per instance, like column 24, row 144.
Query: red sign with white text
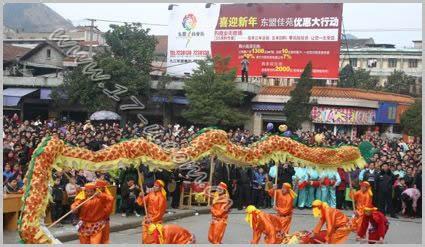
column 280, row 39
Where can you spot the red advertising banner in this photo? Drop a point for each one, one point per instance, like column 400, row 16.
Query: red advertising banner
column 279, row 39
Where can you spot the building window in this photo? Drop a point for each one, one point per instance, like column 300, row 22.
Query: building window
column 353, row 62
column 48, row 53
column 413, row 63
column 371, row 62
column 392, row 62
column 392, row 111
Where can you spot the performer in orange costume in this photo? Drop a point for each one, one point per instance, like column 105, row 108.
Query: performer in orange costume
column 379, row 225
column 156, row 204
column 337, row 229
column 284, row 205
column 362, row 199
column 220, row 211
column 93, row 215
column 263, row 223
column 170, row 234
column 101, row 185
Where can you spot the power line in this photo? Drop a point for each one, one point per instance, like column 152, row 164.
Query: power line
column 401, row 29
column 385, row 30
column 143, row 23
column 348, row 50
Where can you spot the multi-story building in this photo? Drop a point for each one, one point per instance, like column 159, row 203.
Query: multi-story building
column 382, row 59
column 80, row 34
column 29, row 92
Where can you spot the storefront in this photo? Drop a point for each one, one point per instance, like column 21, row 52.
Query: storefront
column 346, row 120
column 386, row 117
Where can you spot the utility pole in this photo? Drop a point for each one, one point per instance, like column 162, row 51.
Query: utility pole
column 91, row 37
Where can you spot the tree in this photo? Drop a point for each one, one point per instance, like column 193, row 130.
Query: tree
column 213, row 95
column 78, row 88
column 411, row 120
column 346, row 77
column 167, row 94
column 298, row 108
column 319, row 82
column 360, row 78
column 132, row 43
column 128, row 64
column 399, row 82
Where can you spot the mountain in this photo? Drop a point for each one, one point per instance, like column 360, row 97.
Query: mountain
column 349, row 36
column 32, row 18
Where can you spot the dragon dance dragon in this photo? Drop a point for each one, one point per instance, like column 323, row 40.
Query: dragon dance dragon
column 53, row 153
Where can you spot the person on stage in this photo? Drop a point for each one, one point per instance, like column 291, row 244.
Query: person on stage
column 93, row 215
column 263, row 223
column 156, row 204
column 284, row 204
column 337, row 223
column 170, row 234
column 375, row 223
column 220, row 211
column 245, row 64
column 362, row 198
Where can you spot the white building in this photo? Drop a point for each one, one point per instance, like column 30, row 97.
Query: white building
column 382, row 59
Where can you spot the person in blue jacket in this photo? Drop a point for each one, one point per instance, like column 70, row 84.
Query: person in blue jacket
column 329, row 180
column 300, row 183
column 313, row 187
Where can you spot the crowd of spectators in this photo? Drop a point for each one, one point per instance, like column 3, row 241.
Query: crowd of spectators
column 395, row 171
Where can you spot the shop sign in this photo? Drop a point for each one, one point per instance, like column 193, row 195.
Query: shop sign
column 338, row 115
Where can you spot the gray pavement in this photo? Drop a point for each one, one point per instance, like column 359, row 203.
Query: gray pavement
column 402, row 231
column 118, row 223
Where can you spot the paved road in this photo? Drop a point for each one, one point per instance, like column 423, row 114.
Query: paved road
column 238, row 232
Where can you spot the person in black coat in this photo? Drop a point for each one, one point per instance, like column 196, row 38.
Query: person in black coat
column 129, row 196
column 95, row 145
column 148, row 176
column 81, row 180
column 127, row 174
column 398, row 189
column 384, row 183
column 285, row 174
column 243, row 187
column 220, row 173
column 178, row 176
column 57, row 195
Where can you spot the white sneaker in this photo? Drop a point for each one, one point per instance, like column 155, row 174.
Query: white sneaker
column 123, row 215
column 138, row 215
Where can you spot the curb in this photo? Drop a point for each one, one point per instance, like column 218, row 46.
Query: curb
column 135, row 223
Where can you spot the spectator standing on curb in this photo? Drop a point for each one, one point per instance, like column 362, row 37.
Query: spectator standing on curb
column 385, row 181
column 57, row 194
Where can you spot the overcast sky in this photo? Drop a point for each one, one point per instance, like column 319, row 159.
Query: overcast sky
column 356, row 16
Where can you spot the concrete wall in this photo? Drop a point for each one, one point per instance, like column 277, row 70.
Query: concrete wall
column 32, row 81
column 56, row 58
column 382, row 69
